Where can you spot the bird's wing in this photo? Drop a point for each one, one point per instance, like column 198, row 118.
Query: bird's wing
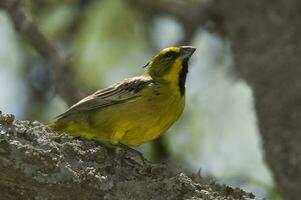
column 121, row 92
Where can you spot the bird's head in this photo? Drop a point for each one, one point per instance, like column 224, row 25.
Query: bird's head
column 171, row 64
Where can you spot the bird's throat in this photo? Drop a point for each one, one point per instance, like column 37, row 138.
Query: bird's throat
column 182, row 77
column 177, row 74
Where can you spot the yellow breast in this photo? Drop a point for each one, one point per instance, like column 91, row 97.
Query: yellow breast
column 153, row 116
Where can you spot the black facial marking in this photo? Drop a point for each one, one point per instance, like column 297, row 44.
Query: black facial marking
column 171, row 54
column 168, row 54
column 162, row 63
column 182, row 77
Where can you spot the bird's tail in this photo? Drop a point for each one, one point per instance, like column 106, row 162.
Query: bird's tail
column 54, row 125
column 51, row 125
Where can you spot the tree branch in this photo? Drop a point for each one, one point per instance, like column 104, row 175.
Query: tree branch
column 37, row 163
column 62, row 78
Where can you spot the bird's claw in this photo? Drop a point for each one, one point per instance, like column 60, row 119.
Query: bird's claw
column 121, row 148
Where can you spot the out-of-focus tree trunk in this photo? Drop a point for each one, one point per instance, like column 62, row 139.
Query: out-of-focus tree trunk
column 266, row 43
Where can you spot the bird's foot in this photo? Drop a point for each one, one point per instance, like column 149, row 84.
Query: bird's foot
column 122, row 148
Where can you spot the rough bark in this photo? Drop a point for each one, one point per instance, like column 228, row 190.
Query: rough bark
column 266, row 45
column 37, row 163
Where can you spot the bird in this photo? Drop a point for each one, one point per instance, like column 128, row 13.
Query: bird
column 135, row 110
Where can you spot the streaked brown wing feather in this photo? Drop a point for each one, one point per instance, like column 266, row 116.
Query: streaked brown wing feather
column 119, row 93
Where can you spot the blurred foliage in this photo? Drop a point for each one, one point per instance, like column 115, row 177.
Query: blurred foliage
column 108, row 41
column 111, row 41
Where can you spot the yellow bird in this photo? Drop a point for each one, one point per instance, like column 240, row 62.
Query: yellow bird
column 135, row 110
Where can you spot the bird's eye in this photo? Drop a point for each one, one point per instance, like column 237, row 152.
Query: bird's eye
column 168, row 54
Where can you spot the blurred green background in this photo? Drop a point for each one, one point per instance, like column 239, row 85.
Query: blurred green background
column 110, row 40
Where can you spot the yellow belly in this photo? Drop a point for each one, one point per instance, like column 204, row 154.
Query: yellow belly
column 131, row 123
column 141, row 121
column 150, row 124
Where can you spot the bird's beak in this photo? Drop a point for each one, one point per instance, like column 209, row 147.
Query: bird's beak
column 186, row 51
